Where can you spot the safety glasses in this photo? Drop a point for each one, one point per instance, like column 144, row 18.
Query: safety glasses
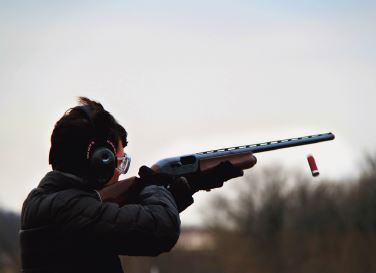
column 124, row 165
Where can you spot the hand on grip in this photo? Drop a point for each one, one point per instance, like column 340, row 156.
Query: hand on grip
column 178, row 187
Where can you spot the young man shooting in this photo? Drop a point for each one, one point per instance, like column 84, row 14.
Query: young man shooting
column 65, row 225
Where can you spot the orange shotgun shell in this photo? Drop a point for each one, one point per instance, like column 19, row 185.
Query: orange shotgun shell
column 312, row 165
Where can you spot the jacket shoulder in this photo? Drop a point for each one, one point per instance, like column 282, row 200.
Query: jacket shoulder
column 40, row 206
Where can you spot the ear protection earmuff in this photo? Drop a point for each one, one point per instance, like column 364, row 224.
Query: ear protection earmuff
column 100, row 155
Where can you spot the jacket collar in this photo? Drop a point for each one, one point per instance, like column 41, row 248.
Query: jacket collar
column 57, row 180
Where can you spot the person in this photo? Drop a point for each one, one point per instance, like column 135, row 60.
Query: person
column 65, row 226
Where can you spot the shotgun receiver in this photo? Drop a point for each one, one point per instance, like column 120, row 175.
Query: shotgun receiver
column 187, row 165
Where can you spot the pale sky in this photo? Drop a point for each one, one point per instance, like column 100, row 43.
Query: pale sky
column 189, row 77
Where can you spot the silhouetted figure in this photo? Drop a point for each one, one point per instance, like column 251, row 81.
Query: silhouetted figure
column 65, row 225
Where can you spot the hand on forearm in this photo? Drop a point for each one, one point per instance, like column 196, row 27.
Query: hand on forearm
column 215, row 177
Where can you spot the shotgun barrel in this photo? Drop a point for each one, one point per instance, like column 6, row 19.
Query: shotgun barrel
column 239, row 155
column 270, row 145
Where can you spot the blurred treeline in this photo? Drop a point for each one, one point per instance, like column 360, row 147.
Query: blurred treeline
column 275, row 227
column 282, row 222
column 9, row 246
column 274, row 222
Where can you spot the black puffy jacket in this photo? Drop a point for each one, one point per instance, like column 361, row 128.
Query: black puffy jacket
column 66, row 228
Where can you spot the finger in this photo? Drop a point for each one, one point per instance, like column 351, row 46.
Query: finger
column 229, row 171
column 145, row 171
column 182, row 179
column 238, row 173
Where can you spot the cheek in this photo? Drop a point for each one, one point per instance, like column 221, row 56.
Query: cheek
column 114, row 178
column 116, row 175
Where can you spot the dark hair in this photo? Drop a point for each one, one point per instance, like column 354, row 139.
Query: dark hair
column 74, row 131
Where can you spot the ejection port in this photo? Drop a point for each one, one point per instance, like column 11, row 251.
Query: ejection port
column 189, row 159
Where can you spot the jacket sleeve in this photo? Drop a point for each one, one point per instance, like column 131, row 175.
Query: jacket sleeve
column 145, row 229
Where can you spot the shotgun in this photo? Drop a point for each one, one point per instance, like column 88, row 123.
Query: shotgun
column 202, row 162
